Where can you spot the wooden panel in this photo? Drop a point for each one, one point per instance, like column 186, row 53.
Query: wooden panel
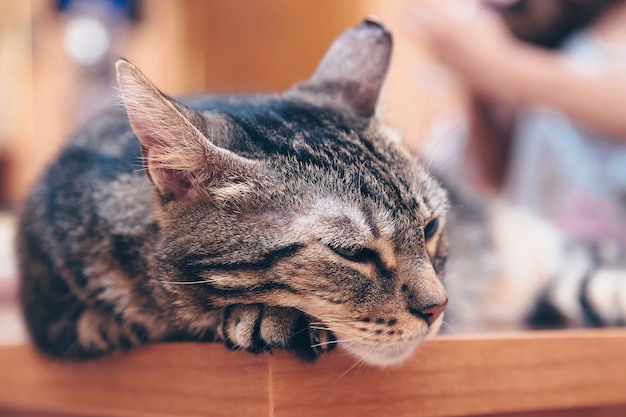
column 262, row 45
column 459, row 376
column 160, row 380
column 613, row 411
column 551, row 372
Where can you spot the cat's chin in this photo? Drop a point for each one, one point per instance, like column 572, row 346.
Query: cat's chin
column 385, row 354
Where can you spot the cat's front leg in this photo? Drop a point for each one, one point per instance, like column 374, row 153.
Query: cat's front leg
column 258, row 328
column 100, row 332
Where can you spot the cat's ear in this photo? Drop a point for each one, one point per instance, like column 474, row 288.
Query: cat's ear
column 178, row 157
column 354, row 68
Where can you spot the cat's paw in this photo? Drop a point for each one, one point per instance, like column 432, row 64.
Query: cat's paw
column 259, row 328
column 99, row 332
column 604, row 297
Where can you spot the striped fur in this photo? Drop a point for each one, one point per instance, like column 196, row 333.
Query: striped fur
column 587, row 290
column 509, row 270
column 286, row 221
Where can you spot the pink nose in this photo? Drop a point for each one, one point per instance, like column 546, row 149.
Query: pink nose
column 432, row 313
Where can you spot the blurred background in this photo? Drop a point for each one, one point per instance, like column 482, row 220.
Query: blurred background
column 56, row 73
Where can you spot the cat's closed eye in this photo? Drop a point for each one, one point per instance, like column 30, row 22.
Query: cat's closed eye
column 431, row 229
column 355, row 253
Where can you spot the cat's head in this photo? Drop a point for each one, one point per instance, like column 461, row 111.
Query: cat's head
column 300, row 200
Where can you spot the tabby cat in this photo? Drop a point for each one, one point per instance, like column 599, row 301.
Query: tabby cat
column 288, row 221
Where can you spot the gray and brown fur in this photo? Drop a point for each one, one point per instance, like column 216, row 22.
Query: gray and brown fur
column 508, row 269
column 269, row 221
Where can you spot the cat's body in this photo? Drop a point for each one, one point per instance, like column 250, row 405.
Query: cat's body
column 509, row 270
column 286, row 221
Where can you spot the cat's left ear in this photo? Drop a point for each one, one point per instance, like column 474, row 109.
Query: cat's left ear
column 352, row 72
column 179, row 155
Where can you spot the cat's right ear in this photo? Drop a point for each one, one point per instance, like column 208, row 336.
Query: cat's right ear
column 353, row 70
column 178, row 157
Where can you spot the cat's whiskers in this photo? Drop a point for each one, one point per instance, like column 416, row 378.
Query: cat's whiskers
column 430, row 94
column 335, row 321
column 327, row 319
column 337, row 325
column 209, row 280
column 449, row 326
column 360, row 361
column 453, row 156
column 337, row 341
column 334, row 318
column 320, row 328
column 360, row 339
column 437, row 145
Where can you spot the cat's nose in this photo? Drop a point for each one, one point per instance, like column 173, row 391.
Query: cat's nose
column 431, row 313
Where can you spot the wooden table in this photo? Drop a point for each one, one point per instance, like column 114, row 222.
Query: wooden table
column 542, row 373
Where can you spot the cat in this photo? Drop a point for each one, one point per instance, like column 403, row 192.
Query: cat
column 290, row 221
column 510, row 270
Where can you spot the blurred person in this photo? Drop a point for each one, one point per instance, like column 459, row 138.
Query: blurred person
column 548, row 125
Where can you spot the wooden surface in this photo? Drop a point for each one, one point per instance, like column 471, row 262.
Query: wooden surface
column 581, row 372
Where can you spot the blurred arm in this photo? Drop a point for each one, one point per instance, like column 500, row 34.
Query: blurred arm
column 491, row 126
column 476, row 45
